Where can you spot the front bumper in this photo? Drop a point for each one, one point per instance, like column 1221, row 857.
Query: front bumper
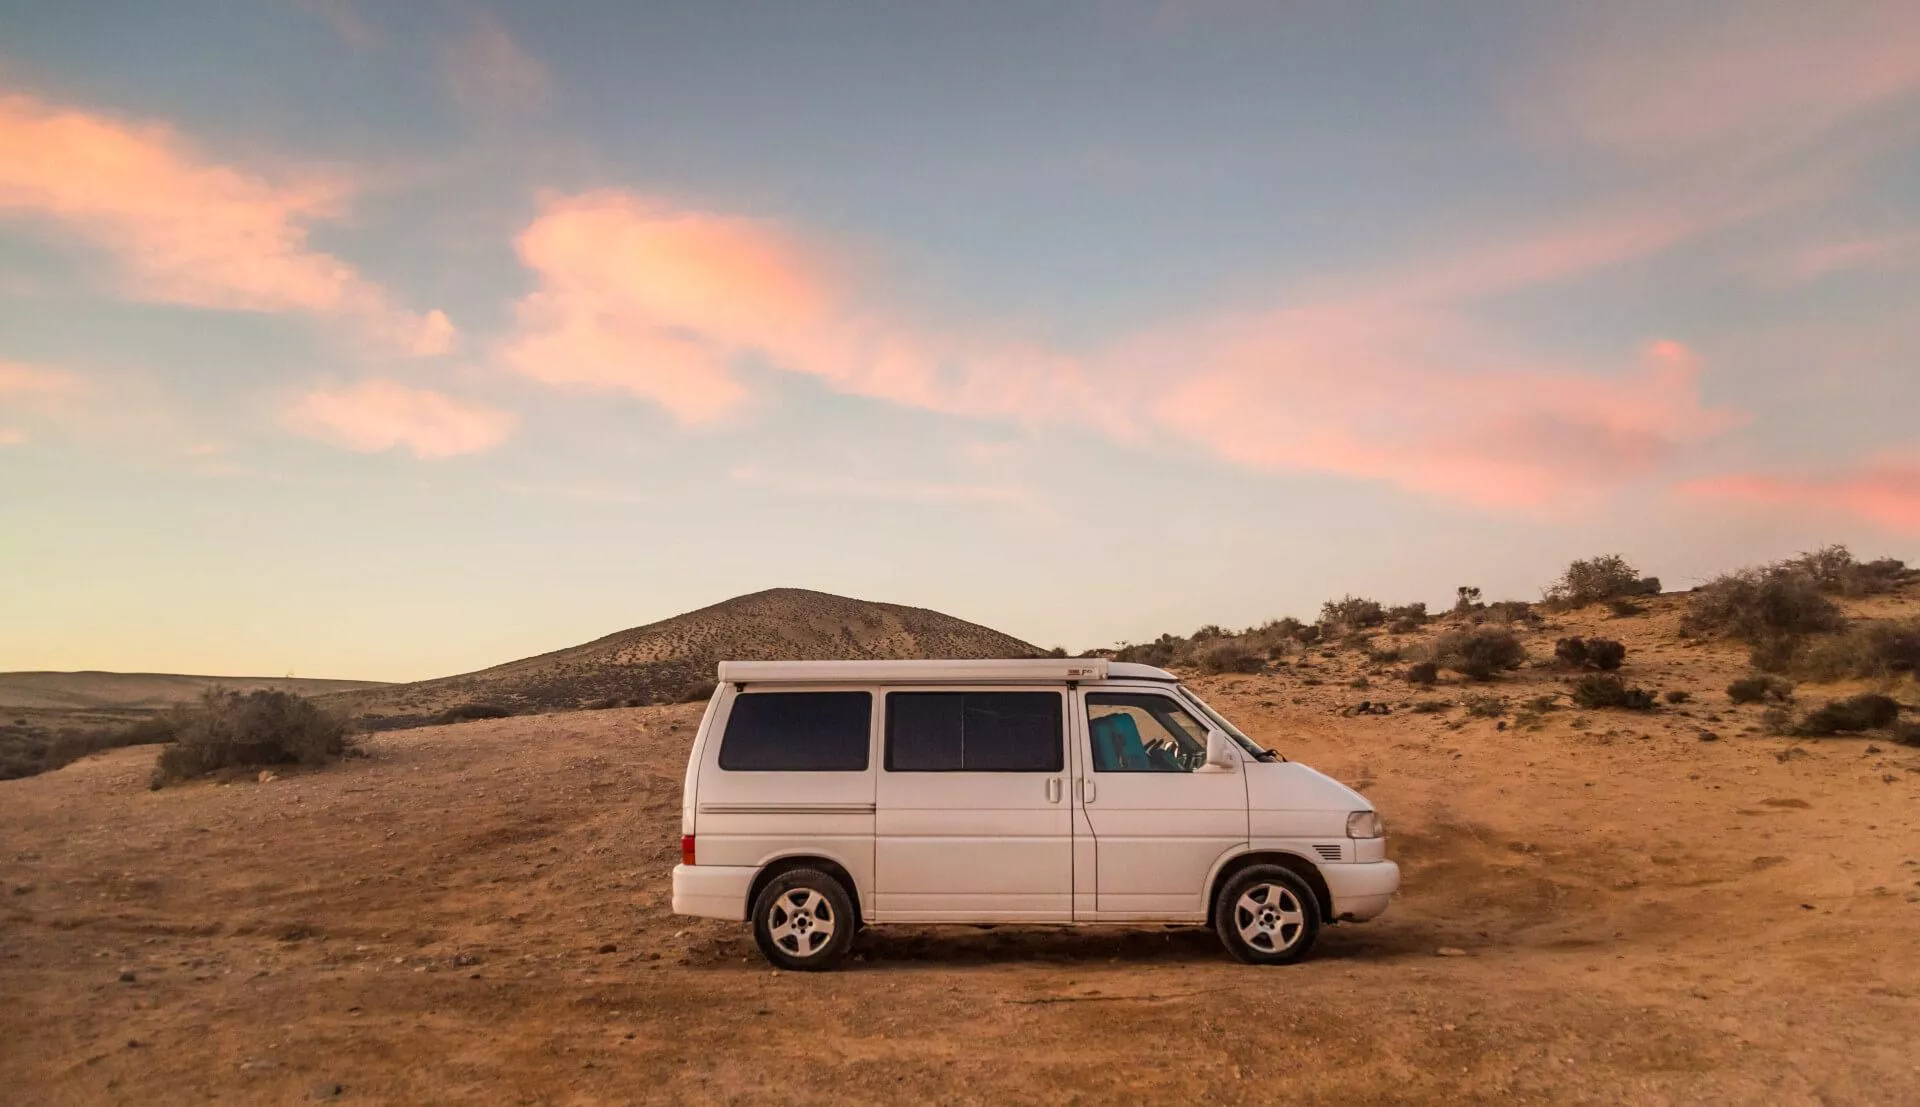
column 712, row 891
column 1359, row 891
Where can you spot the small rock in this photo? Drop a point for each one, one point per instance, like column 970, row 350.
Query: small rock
column 328, row 1089
column 609, row 947
column 267, row 775
column 22, row 889
column 1873, row 749
column 1708, row 736
column 126, row 976
column 1449, row 951
column 1791, row 753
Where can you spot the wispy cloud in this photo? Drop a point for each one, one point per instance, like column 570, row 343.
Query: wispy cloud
column 345, row 20
column 485, row 71
column 378, row 415
column 1884, row 491
column 870, row 488
column 186, row 230
column 1382, row 379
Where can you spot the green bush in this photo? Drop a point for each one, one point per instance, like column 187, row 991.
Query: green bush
column 1597, row 690
column 1480, row 653
column 1850, row 716
column 1600, row 578
column 228, row 730
column 1758, row 688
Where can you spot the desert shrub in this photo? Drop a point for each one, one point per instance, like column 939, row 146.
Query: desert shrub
column 1678, row 695
column 1406, row 617
column 1512, row 611
column 606, row 704
column 697, row 692
column 1605, row 654
column 1403, row 626
column 1833, row 569
column 1384, row 656
column 1759, row 688
column 1486, row 707
column 1423, row 674
column 1623, row 609
column 1761, row 605
column 1776, row 720
column 1905, row 733
column 1466, row 599
column 1850, row 716
column 1596, row 690
column 1158, row 653
column 1352, row 612
column 1357, row 642
column 1596, row 579
column 1571, row 652
column 1431, row 707
column 234, row 730
column 1228, row 657
column 466, row 712
column 1360, row 682
column 1863, row 650
column 1480, row 653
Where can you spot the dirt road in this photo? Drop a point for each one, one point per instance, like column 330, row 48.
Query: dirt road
column 479, row 914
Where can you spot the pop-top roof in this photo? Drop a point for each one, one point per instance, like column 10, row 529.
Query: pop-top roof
column 1046, row 670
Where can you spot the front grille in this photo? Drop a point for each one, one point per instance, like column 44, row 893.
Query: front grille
column 1328, row 853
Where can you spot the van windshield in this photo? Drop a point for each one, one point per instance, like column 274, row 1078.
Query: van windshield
column 1253, row 748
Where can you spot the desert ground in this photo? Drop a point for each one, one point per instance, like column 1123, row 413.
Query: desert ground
column 479, row 913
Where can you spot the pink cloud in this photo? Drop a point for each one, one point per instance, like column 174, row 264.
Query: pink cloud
column 380, row 415
column 1384, row 379
column 485, row 70
column 1701, row 84
column 21, row 380
column 184, row 230
column 1885, row 491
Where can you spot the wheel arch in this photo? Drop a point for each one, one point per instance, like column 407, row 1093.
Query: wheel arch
column 789, row 862
column 1295, row 863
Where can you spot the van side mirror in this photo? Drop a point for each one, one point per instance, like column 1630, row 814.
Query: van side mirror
column 1222, row 754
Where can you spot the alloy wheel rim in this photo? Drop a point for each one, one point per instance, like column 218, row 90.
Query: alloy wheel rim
column 801, row 922
column 1269, row 918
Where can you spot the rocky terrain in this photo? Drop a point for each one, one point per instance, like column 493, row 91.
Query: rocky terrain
column 1600, row 906
column 674, row 658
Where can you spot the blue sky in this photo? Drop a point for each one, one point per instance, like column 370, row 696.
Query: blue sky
column 395, row 340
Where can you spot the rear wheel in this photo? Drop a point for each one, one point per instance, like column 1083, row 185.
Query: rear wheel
column 803, row 919
column 1266, row 915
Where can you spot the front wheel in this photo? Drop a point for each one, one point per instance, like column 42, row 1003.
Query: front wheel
column 1266, row 915
column 803, row 920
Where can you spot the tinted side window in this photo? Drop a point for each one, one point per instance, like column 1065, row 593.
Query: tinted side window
column 797, row 732
column 976, row 732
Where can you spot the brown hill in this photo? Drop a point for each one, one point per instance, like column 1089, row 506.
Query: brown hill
column 674, row 658
column 83, row 696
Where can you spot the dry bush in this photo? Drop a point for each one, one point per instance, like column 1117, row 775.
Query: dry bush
column 1228, row 657
column 1480, row 653
column 1597, row 690
column 467, row 712
column 1678, row 695
column 229, row 730
column 1352, row 612
column 1431, row 707
column 1849, row 716
column 1603, row 654
column 1863, row 651
column 1466, row 600
column 1905, row 733
column 1486, row 707
column 1158, row 653
column 1512, row 611
column 1759, row 688
column 1624, row 609
column 1595, row 579
column 1423, row 674
column 1834, row 570
column 1769, row 604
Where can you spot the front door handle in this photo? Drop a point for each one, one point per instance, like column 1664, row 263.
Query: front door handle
column 1053, row 789
column 1087, row 790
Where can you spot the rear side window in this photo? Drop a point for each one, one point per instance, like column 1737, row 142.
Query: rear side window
column 974, row 732
column 797, row 732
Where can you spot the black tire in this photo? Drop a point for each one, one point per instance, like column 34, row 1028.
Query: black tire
column 792, row 912
column 1258, row 932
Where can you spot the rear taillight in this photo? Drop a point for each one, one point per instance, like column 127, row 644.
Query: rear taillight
column 686, row 849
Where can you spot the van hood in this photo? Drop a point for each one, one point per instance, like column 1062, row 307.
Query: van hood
column 1291, row 786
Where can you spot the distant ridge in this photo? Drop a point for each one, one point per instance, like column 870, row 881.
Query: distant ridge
column 92, row 691
column 669, row 659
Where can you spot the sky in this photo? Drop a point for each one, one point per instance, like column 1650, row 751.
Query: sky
column 386, row 341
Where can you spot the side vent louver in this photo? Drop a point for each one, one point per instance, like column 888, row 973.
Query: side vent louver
column 1327, row 853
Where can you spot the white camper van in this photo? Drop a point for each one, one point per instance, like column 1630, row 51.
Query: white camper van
column 824, row 796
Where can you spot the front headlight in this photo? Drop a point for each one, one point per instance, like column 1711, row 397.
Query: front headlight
column 1366, row 824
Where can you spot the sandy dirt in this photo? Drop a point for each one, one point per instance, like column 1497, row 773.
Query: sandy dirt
column 479, row 914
